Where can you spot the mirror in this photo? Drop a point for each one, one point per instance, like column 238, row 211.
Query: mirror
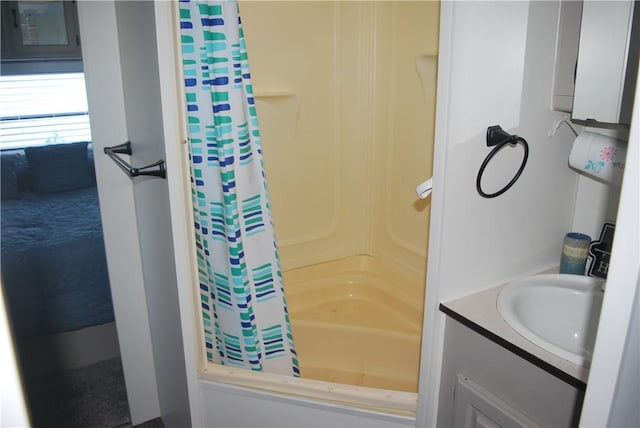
column 607, row 66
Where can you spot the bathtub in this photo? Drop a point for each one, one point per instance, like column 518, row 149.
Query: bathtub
column 357, row 322
column 357, row 328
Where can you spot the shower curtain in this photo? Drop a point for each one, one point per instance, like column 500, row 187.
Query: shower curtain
column 246, row 323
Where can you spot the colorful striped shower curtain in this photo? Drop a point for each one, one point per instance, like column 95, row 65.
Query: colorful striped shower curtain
column 246, row 323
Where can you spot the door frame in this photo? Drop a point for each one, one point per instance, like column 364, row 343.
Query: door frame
column 103, row 77
column 180, row 203
column 150, row 395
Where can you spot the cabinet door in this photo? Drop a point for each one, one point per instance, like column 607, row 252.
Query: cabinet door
column 607, row 62
column 475, row 407
column 46, row 29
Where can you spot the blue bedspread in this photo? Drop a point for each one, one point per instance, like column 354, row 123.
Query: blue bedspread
column 54, row 271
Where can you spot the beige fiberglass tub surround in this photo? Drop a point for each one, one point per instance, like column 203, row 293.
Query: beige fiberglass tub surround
column 345, row 93
column 356, row 322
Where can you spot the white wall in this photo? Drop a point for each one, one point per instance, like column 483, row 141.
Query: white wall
column 145, row 129
column 624, row 410
column 495, row 67
column 103, row 77
column 175, row 148
column 489, row 241
column 611, row 398
column 596, row 202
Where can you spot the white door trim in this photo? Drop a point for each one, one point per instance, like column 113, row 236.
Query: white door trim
column 102, row 67
column 175, row 135
column 433, row 323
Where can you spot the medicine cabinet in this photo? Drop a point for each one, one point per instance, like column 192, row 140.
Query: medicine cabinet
column 40, row 30
column 597, row 61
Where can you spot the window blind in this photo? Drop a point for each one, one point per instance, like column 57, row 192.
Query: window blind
column 42, row 109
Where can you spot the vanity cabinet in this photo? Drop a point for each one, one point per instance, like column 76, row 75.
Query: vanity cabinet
column 485, row 385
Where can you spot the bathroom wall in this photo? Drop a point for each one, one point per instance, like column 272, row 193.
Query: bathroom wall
column 346, row 101
column 496, row 64
column 501, row 72
column 596, row 202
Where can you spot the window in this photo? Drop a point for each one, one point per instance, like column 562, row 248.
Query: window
column 40, row 29
column 42, row 109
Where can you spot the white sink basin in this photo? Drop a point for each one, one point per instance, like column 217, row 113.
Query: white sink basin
column 557, row 312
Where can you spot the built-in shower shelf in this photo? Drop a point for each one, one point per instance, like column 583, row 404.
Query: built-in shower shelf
column 429, row 53
column 274, row 94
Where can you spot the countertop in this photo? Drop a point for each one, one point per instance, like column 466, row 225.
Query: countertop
column 479, row 312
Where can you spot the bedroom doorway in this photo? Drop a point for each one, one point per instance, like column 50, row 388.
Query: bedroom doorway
column 54, row 270
column 54, row 273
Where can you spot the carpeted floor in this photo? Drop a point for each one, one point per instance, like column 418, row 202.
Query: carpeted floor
column 90, row 397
